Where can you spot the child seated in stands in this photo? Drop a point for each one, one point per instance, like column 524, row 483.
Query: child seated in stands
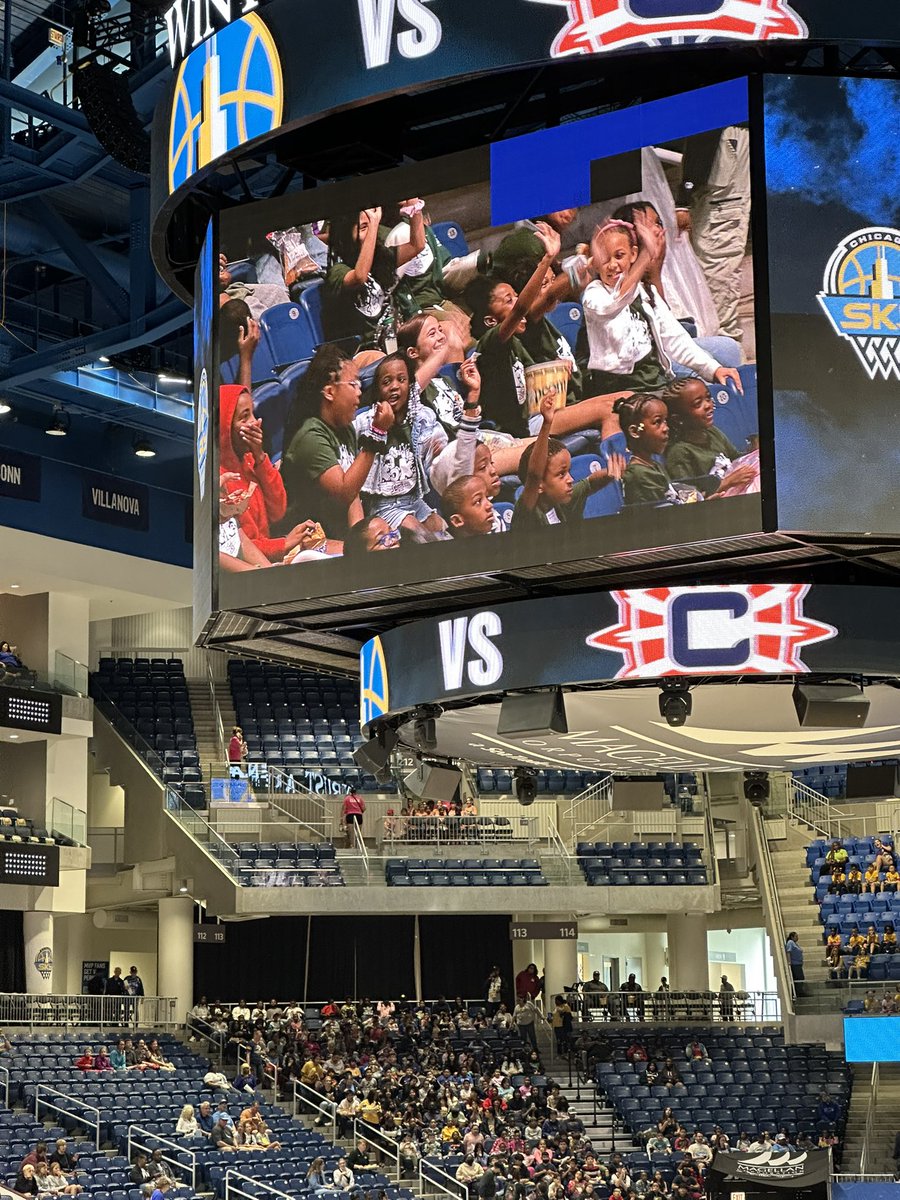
column 889, row 940
column 632, row 333
column 396, row 485
column 85, row 1062
column 891, row 878
column 549, row 495
column 838, row 884
column 833, row 941
column 872, row 882
column 371, row 533
column 856, row 941
column 873, row 942
column 859, row 968
column 467, row 507
column 498, row 321
column 834, row 960
column 645, row 423
column 697, row 450
column 854, row 882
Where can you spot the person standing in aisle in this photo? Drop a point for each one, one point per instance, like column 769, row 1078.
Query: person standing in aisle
column 352, row 814
column 795, row 957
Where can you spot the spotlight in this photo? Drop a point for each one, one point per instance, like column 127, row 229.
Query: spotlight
column 5, row 406
column 179, row 379
column 424, row 727
column 526, row 786
column 756, row 786
column 183, row 888
column 675, row 702
column 59, row 426
column 144, row 449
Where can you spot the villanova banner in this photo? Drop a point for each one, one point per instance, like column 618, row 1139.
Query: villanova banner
column 760, row 630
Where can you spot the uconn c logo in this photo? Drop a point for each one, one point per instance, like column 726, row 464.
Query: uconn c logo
column 731, row 629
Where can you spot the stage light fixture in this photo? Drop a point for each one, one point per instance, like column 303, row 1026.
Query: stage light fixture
column 144, row 449
column 756, row 786
column 675, row 703
column 526, row 785
column 5, row 406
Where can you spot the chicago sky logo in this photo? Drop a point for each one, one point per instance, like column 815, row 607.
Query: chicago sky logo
column 228, row 91
column 595, row 26
column 861, row 296
column 730, row 629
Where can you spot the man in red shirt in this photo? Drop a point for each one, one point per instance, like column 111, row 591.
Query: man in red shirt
column 352, row 814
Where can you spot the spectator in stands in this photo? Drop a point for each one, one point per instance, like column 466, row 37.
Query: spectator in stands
column 891, row 878
column 889, row 939
column 222, row 1136
column 561, row 1021
column 96, row 985
column 596, row 995
column 117, row 1056
column 856, row 941
column 130, row 1054
column 834, row 960
column 795, row 955
column 651, row 1074
column 162, row 1183
column 637, row 1052
column 139, row 1175
column 873, row 941
column 838, row 884
column 493, row 987
column 658, row 1143
column 634, row 1004
column 524, row 1015
column 695, row 1051
column 240, row 1011
column 237, row 747
column 836, row 856
column 245, row 1080
column 854, row 882
column 206, row 1118
column 469, row 1172
column 25, row 1183
column 670, row 1076
column 157, row 1058
column 409, row 1156
column 872, row 879
column 358, row 1159
column 216, row 1082
column 51, row 1179
column 115, row 985
column 528, row 982
column 859, row 968
column 882, row 852
column 85, row 1062
column 64, row 1157
column 187, row 1124
column 726, row 998
column 102, row 1061
column 352, row 810
column 699, row 1149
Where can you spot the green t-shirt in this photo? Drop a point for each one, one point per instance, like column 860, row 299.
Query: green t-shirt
column 348, row 312
column 691, row 460
column 544, row 342
column 445, row 401
column 645, row 482
column 564, row 514
column 422, row 282
column 314, row 449
column 502, row 369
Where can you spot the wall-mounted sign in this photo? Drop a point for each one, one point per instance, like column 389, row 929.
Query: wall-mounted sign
column 209, row 935
column 20, row 475
column 548, row 931
column 115, row 501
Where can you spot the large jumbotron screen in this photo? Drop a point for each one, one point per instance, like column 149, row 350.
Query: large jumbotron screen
column 538, row 352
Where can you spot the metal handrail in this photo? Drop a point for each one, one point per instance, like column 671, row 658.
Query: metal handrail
column 64, row 1010
column 217, row 712
column 380, row 1140
column 558, row 847
column 868, row 1136
column 677, row 1006
column 601, row 791
column 360, row 844
column 814, row 810
column 156, row 1137
column 429, row 1173
column 176, row 808
column 4, row 1071
column 712, row 857
column 771, row 905
column 81, row 1104
column 259, row 1187
column 303, row 1094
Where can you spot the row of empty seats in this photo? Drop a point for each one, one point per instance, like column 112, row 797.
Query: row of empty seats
column 642, row 864
column 281, row 864
column 468, row 872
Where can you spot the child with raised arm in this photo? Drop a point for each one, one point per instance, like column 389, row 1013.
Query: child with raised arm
column 550, row 497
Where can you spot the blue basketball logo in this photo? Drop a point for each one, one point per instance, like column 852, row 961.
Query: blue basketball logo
column 861, row 296
column 373, row 682
column 227, row 92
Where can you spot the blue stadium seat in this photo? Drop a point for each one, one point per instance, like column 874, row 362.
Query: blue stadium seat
column 451, row 236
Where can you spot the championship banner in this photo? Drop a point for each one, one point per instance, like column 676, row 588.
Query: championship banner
column 778, row 1168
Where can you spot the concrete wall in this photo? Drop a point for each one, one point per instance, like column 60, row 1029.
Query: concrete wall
column 76, row 940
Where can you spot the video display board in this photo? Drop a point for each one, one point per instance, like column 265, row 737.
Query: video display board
column 834, row 267
column 872, row 1039
column 535, row 354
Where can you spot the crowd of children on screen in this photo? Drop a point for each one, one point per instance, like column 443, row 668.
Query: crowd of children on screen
column 441, row 377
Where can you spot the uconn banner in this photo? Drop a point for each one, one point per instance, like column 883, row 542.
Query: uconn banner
column 632, row 635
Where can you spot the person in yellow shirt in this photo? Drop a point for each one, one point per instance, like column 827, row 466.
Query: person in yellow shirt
column 450, row 1130
column 370, row 1110
column 833, row 941
column 873, row 941
column 860, row 967
column 889, row 940
column 838, row 884
column 856, row 941
column 872, row 883
column 891, row 879
column 854, row 884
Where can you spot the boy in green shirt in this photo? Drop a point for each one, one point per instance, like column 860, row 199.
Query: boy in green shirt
column 550, row 497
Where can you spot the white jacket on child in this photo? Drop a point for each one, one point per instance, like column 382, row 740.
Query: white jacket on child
column 617, row 340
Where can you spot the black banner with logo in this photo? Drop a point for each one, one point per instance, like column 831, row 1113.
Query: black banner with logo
column 20, row 475
column 115, row 501
column 776, row 1168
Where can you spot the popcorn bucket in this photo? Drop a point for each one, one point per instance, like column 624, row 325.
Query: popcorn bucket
column 540, row 378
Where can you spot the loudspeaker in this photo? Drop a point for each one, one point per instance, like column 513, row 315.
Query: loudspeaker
column 433, row 783
column 533, row 712
column 107, row 104
column 373, row 756
column 830, row 705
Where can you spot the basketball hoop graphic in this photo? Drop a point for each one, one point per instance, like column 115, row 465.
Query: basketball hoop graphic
column 43, row 962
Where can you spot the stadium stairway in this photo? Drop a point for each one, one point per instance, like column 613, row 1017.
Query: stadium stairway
column 880, row 1157
column 795, row 896
column 205, row 724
